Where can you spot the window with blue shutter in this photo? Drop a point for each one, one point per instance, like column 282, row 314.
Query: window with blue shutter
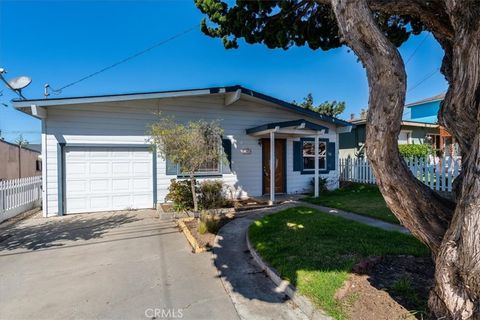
column 303, row 155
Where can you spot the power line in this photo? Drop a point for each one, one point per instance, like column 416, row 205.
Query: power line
column 133, row 56
column 423, row 80
column 416, row 49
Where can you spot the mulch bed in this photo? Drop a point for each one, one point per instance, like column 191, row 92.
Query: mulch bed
column 393, row 287
column 207, row 239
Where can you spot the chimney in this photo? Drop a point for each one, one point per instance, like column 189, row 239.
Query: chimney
column 352, row 116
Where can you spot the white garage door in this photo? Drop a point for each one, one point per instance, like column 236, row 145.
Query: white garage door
column 101, row 179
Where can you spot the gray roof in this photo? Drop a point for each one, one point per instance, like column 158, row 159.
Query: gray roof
column 19, row 104
column 438, row 97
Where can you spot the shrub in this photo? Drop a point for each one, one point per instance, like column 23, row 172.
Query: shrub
column 180, row 193
column 322, row 184
column 202, row 227
column 415, row 150
column 208, row 222
column 211, row 194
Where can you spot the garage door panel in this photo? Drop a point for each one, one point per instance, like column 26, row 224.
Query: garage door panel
column 119, row 185
column 77, row 169
column 122, row 202
column 100, row 168
column 100, row 185
column 141, row 168
column 121, row 168
column 101, row 179
column 95, row 154
column 78, row 186
column 141, row 184
column 78, row 204
column 138, row 199
column 100, row 203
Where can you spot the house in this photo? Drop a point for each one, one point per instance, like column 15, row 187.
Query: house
column 96, row 155
column 418, row 127
column 426, row 110
column 352, row 144
column 18, row 161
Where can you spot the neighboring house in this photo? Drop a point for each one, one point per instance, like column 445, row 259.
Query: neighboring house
column 18, row 162
column 421, row 126
column 426, row 110
column 352, row 144
column 97, row 157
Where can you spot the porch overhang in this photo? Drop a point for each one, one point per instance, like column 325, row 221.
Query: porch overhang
column 295, row 128
column 289, row 129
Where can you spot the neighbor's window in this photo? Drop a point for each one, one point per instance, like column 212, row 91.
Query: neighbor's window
column 309, row 155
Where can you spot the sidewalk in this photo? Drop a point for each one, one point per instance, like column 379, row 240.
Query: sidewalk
column 254, row 295
column 357, row 217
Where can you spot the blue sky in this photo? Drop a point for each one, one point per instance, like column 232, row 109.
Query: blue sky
column 58, row 42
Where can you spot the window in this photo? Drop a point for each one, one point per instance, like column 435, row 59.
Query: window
column 309, row 155
column 208, row 168
column 38, row 165
column 434, row 140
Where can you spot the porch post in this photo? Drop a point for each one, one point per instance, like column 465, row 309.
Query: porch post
column 272, row 168
column 316, row 190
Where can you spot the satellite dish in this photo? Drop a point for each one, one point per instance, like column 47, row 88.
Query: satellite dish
column 19, row 83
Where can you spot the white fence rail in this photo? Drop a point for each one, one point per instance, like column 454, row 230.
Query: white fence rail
column 437, row 174
column 19, row 195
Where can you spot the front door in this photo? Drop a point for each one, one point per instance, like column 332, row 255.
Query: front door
column 279, row 165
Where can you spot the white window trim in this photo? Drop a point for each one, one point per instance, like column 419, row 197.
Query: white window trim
column 319, row 156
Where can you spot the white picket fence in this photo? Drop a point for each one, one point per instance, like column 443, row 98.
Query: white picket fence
column 19, row 195
column 437, row 174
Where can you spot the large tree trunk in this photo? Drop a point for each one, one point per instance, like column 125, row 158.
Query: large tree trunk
column 457, row 278
column 454, row 241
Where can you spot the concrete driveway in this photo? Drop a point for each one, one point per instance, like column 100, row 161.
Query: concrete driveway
column 116, row 265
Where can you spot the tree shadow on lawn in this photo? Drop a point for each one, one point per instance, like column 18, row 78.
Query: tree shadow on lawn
column 314, row 251
column 39, row 234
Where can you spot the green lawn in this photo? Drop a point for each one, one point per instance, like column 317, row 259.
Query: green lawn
column 315, row 251
column 359, row 198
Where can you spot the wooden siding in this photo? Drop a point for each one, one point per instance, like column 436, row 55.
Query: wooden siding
column 125, row 123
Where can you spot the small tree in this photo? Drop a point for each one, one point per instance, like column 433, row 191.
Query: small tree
column 21, row 141
column 191, row 146
column 327, row 108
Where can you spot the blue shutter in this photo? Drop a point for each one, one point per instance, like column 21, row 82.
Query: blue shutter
column 297, row 155
column 331, row 156
column 171, row 168
column 227, row 149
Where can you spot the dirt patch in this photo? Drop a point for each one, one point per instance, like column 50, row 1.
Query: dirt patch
column 207, row 239
column 394, row 287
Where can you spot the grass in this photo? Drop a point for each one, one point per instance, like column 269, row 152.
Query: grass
column 359, row 198
column 316, row 251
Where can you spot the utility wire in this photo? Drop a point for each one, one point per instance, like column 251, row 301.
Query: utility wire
column 135, row 55
column 416, row 49
column 428, row 76
column 424, row 79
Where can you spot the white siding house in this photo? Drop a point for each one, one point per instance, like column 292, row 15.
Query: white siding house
column 96, row 154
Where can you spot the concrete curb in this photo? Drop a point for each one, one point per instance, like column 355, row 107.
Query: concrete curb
column 196, row 248
column 302, row 302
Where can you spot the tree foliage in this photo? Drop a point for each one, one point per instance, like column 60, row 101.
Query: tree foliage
column 327, row 108
column 191, row 146
column 283, row 24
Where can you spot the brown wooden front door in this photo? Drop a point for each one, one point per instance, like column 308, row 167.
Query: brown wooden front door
column 279, row 166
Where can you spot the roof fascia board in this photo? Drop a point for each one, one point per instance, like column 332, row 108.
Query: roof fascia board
column 127, row 97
